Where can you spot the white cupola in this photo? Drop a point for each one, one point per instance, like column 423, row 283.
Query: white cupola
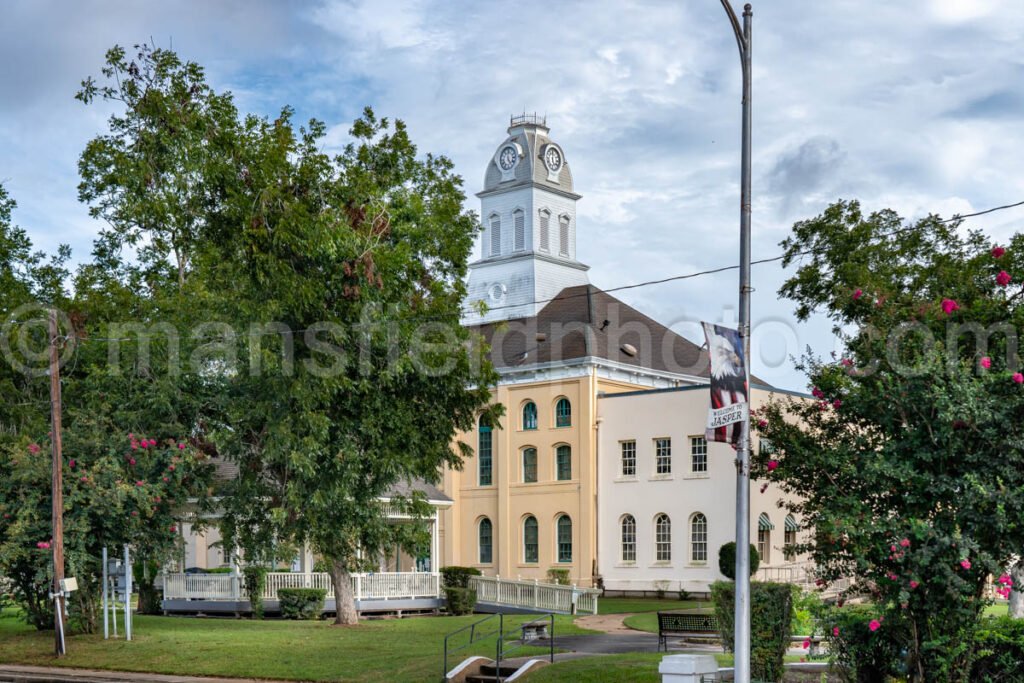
column 528, row 210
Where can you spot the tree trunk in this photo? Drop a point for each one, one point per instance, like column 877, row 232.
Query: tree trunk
column 344, row 600
column 1016, row 596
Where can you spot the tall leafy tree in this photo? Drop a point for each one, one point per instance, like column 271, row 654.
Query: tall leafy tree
column 909, row 465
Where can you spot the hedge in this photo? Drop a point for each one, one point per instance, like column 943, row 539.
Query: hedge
column 727, row 560
column 999, row 650
column 457, row 577
column 460, row 600
column 301, row 603
column 771, row 612
column 858, row 653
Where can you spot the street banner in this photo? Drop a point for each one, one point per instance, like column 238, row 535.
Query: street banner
column 728, row 384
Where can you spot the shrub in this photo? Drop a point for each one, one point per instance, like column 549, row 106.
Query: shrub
column 999, row 652
column 255, row 579
column 301, row 603
column 217, row 570
column 460, row 600
column 683, row 593
column 771, row 611
column 457, row 577
column 859, row 654
column 727, row 560
column 806, row 608
column 558, row 575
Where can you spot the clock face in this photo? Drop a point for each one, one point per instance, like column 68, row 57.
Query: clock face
column 553, row 159
column 507, row 158
column 497, row 292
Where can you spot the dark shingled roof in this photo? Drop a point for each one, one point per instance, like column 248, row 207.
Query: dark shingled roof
column 585, row 321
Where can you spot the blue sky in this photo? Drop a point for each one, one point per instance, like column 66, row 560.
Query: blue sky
column 913, row 105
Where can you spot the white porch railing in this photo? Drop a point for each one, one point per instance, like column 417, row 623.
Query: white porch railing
column 547, row 597
column 377, row 586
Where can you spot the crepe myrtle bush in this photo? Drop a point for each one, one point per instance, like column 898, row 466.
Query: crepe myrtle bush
column 907, row 461
column 130, row 490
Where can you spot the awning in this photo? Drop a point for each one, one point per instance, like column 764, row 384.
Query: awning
column 763, row 523
column 791, row 524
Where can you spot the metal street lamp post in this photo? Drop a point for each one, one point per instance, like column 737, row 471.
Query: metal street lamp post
column 741, row 635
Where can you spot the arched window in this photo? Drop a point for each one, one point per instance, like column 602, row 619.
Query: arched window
column 545, row 230
column 789, row 537
column 564, row 528
column 764, row 537
column 484, row 453
column 662, row 538
column 529, row 465
column 495, row 235
column 531, row 545
column 698, row 538
column 530, row 415
column 485, row 538
column 563, row 463
column 628, row 538
column 563, row 235
column 519, row 229
column 563, row 413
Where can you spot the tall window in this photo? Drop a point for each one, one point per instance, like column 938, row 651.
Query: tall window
column 530, row 415
column 485, row 536
column 495, row 235
column 698, row 454
column 519, row 227
column 699, row 538
column 663, row 456
column 484, row 453
column 563, row 235
column 530, row 542
column 563, row 463
column 764, row 538
column 545, row 230
column 628, row 538
column 529, row 465
column 662, row 538
column 629, row 458
column 789, row 537
column 563, row 413
column 564, row 539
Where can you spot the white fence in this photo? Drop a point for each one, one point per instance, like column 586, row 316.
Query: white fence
column 378, row 586
column 546, row 597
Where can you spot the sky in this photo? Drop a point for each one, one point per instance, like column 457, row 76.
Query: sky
column 912, row 105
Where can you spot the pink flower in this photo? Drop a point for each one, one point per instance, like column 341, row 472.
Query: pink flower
column 772, row 465
column 905, row 543
column 135, row 513
column 965, row 563
column 43, row 545
column 892, row 548
column 948, row 306
column 836, row 404
column 85, row 478
column 986, row 362
column 71, row 464
column 1005, row 580
column 34, row 448
column 846, row 362
column 173, row 528
column 874, row 625
column 140, row 483
column 131, row 436
column 181, row 446
column 891, row 576
column 762, row 423
column 170, row 468
column 1003, row 278
column 857, row 293
column 835, row 631
column 135, row 446
column 807, row 644
column 817, row 393
column 131, row 461
column 152, row 442
column 914, row 584
column 1018, row 378
column 166, row 480
column 997, row 252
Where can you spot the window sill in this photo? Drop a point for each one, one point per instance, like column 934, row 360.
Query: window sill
column 661, row 477
column 661, row 565
column 626, row 565
column 620, row 480
column 528, row 565
column 697, row 475
column 697, row 565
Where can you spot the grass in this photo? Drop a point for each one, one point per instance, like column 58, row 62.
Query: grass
column 635, row 668
column 628, row 605
column 408, row 650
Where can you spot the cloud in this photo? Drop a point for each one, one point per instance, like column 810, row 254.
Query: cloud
column 805, row 169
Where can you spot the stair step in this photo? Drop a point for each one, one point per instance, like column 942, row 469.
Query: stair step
column 491, row 670
column 483, row 679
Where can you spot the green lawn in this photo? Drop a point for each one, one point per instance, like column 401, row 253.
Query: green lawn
column 394, row 650
column 627, row 605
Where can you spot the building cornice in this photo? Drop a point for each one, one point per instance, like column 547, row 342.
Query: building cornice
column 518, row 185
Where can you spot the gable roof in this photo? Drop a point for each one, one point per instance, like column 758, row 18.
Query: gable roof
column 584, row 321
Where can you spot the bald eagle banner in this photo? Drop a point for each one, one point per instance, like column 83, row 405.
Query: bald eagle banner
column 728, row 384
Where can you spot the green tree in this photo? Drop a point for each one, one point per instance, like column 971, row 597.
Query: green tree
column 909, row 465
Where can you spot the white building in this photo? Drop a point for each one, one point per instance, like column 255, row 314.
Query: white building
column 666, row 497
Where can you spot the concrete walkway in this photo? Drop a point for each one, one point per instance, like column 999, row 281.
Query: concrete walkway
column 59, row 674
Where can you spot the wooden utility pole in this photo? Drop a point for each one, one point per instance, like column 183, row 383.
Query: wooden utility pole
column 60, row 613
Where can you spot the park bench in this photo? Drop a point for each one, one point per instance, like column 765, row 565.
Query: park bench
column 684, row 623
column 534, row 630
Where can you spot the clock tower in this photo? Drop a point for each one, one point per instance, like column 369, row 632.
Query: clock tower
column 528, row 210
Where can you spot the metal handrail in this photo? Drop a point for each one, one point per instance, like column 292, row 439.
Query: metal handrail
column 501, row 651
column 472, row 638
